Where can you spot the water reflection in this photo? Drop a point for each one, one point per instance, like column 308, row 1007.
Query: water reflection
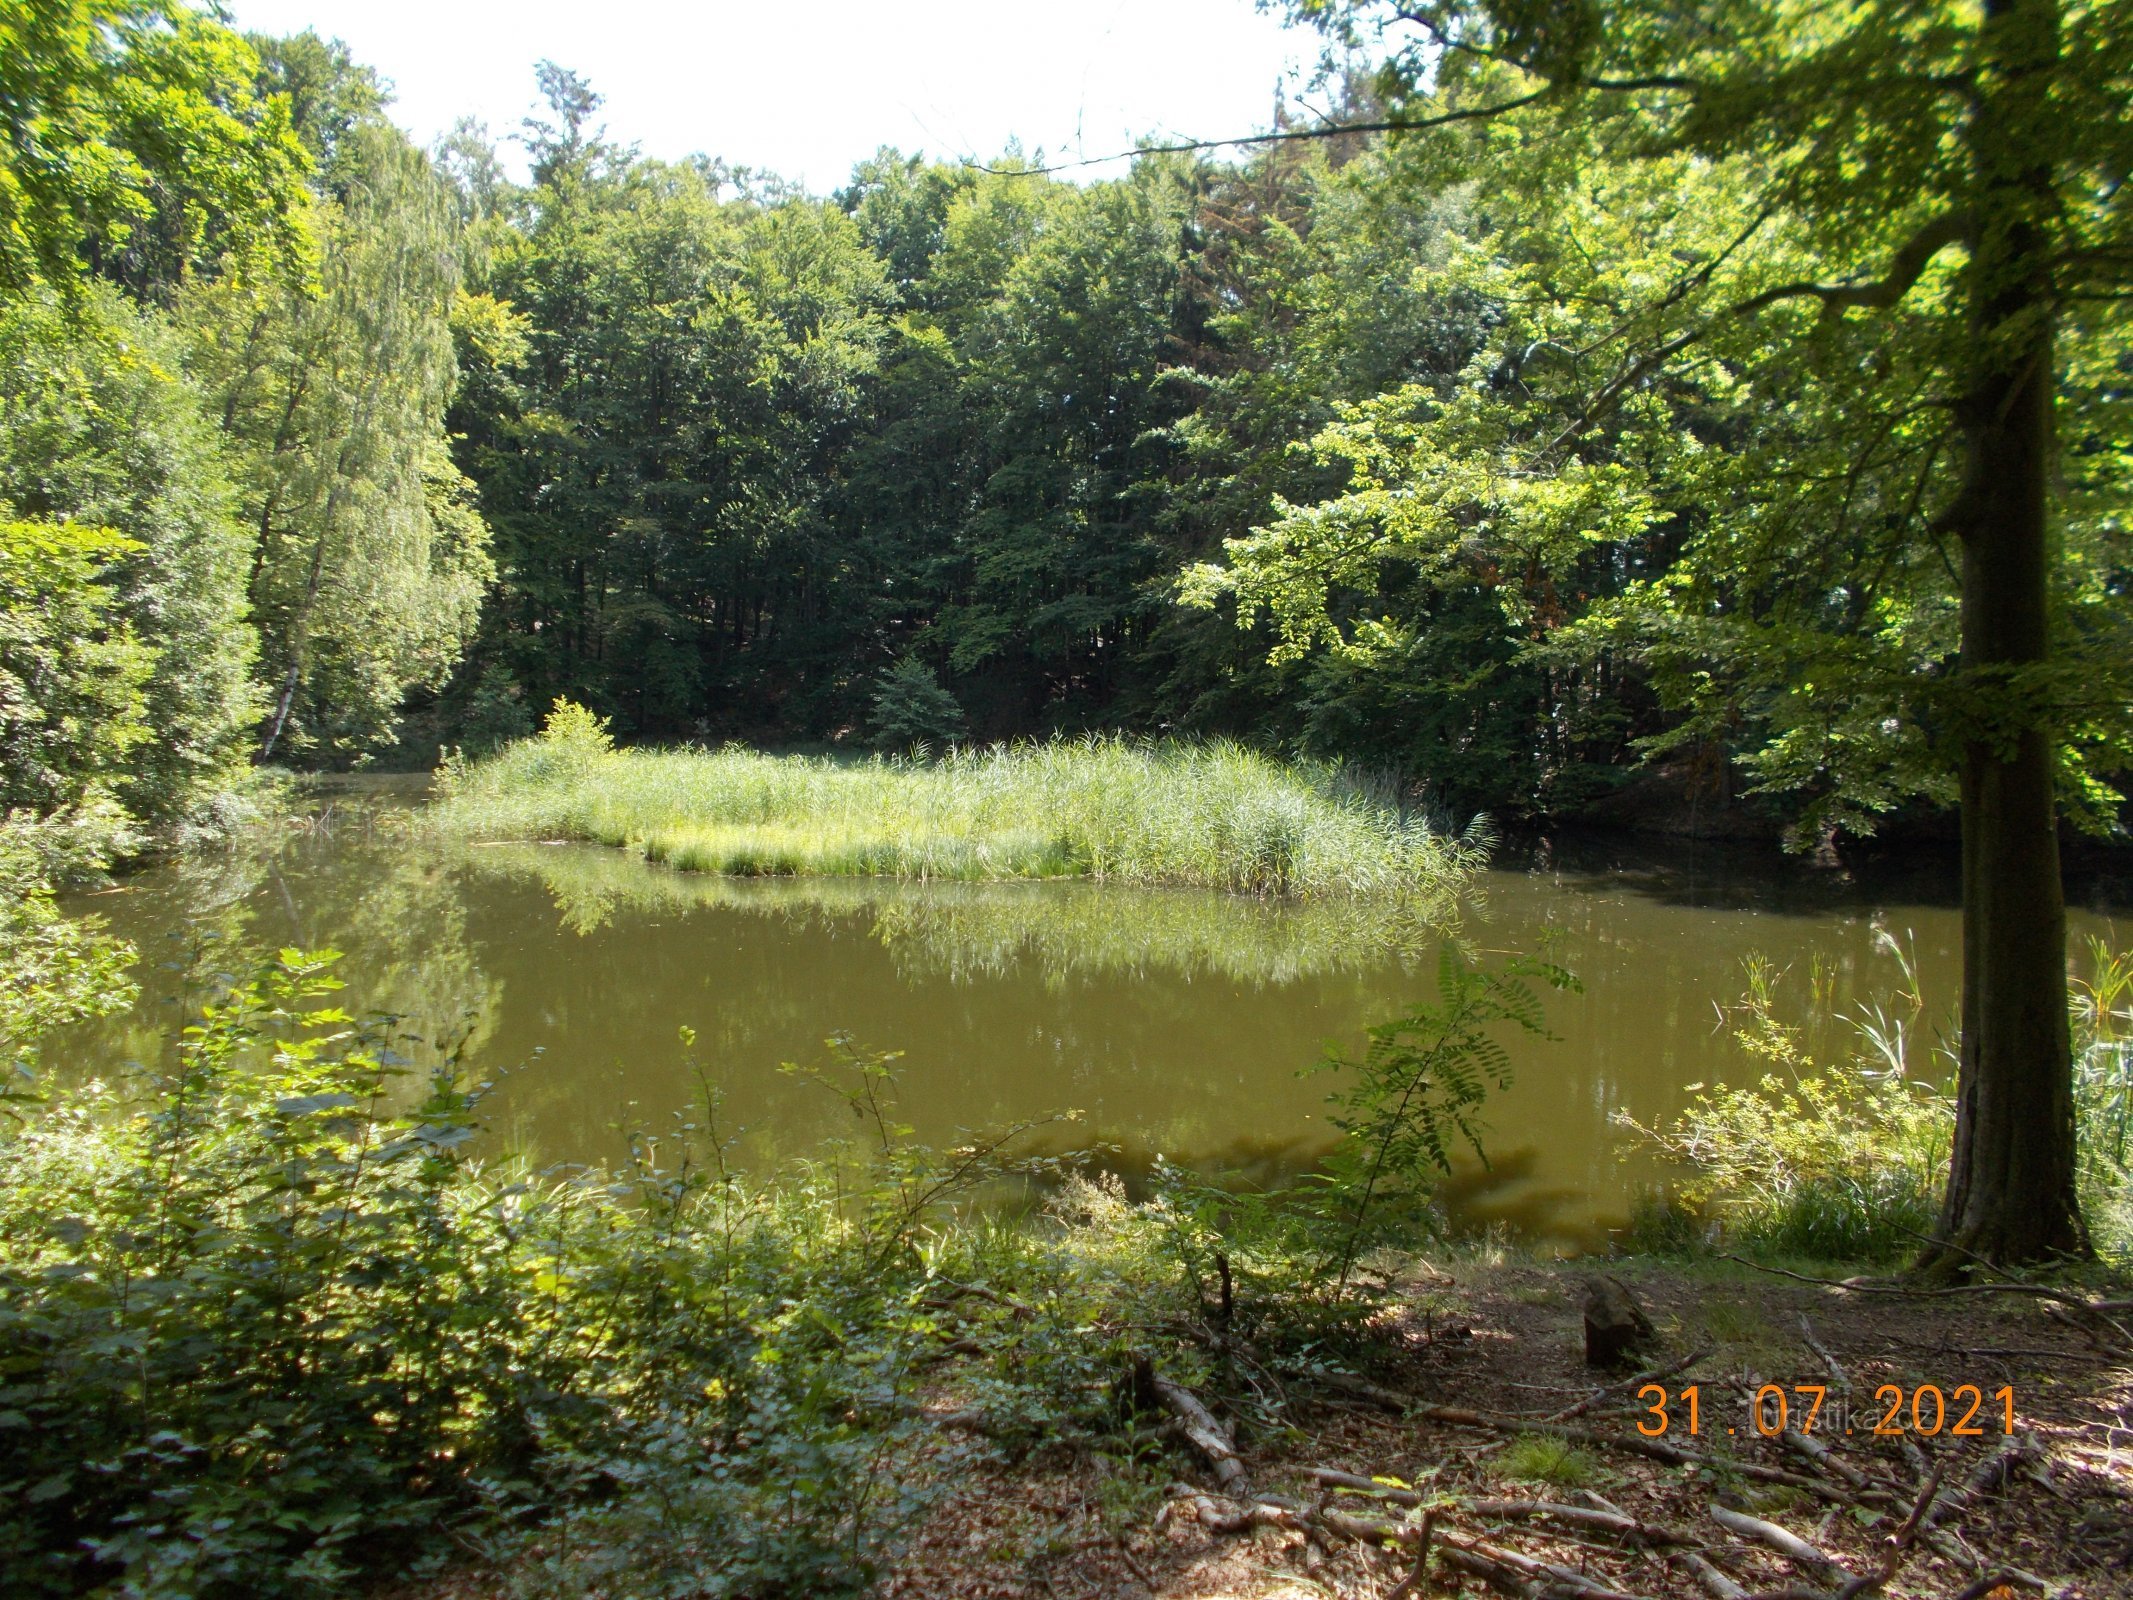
column 1177, row 1022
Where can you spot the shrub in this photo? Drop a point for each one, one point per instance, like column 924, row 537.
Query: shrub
column 912, row 711
column 1845, row 1161
column 273, row 1328
column 1417, row 1092
column 1541, row 1458
column 2103, row 1094
column 1838, row 1163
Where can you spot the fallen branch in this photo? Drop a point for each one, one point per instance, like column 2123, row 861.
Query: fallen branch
column 1783, row 1540
column 1715, row 1583
column 1835, row 1368
column 1629, row 1443
column 1600, row 1397
column 1520, row 1576
column 1822, row 1456
column 1361, row 1388
column 1608, row 1520
column 1207, row 1436
column 1989, row 1475
column 1418, row 1574
column 950, row 1292
column 1898, row 1544
column 2041, row 1291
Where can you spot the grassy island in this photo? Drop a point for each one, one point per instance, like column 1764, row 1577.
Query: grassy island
column 1210, row 815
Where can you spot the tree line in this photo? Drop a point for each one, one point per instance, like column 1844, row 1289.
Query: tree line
column 1240, row 443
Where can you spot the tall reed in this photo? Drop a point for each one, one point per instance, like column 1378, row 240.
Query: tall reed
column 1208, row 814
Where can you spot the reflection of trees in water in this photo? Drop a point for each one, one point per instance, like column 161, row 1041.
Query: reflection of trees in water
column 1508, row 1194
column 983, row 930
column 356, row 887
column 1176, row 1019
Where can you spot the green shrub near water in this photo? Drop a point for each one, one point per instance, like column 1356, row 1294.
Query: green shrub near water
column 261, row 1333
column 1845, row 1158
column 1208, row 815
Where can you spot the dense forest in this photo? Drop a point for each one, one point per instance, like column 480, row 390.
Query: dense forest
column 1346, row 445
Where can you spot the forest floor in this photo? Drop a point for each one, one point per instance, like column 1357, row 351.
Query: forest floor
column 1504, row 1342
column 1481, row 1360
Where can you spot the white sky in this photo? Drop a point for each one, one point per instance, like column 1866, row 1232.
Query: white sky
column 807, row 87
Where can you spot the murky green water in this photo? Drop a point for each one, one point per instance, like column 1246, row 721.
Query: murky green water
column 1176, row 1022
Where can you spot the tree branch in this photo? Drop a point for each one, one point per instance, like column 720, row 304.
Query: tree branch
column 1290, row 136
column 1905, row 269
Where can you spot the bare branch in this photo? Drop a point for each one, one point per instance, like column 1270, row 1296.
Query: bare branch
column 1290, row 136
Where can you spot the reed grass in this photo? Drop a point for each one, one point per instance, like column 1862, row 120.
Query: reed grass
column 1839, row 1151
column 1209, row 815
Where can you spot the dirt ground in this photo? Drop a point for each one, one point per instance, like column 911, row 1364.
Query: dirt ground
column 2053, row 1505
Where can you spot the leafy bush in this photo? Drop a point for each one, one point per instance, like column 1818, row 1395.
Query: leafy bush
column 1839, row 1163
column 912, row 711
column 1845, row 1161
column 1418, row 1089
column 272, row 1327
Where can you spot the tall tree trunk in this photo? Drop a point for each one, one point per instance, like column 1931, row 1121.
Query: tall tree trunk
column 2011, row 1190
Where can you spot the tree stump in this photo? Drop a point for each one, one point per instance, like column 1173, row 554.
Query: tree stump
column 1616, row 1328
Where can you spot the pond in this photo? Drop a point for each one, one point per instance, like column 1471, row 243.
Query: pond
column 1176, row 1022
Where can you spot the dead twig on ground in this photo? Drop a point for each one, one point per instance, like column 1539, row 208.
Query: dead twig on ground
column 1835, row 1368
column 1418, row 1574
column 1208, row 1438
column 1510, row 1572
column 1629, row 1386
column 2041, row 1291
column 1607, row 1519
column 1783, row 1540
column 1628, row 1443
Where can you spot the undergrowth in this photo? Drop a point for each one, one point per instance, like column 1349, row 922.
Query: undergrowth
column 269, row 1324
column 1207, row 815
column 1839, row 1150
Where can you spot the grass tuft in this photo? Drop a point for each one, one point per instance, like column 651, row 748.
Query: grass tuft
column 1538, row 1458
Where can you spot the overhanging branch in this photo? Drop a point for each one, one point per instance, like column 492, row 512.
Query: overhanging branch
column 1905, row 269
column 1289, row 136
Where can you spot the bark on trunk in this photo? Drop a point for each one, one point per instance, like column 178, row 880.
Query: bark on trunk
column 2011, row 1191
